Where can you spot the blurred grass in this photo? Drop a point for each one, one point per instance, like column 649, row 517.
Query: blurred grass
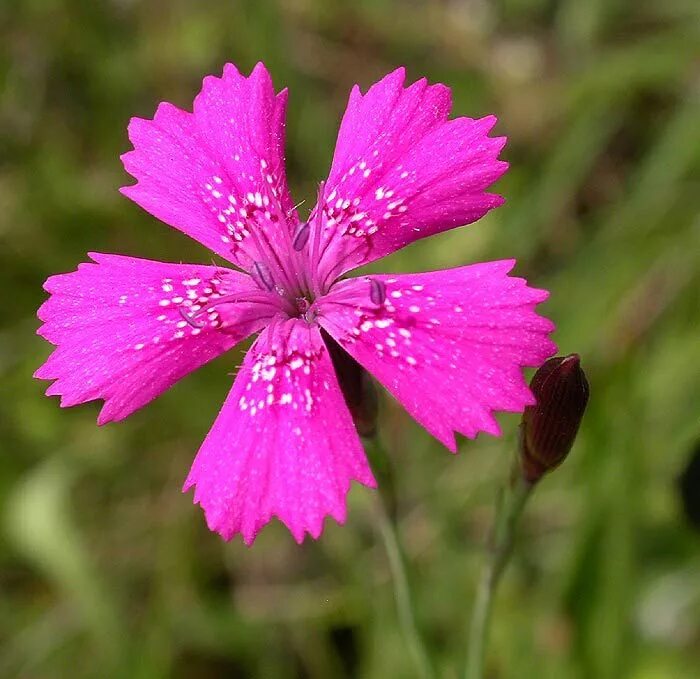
column 107, row 570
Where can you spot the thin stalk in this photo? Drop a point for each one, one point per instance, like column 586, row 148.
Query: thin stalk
column 402, row 591
column 313, row 256
column 511, row 501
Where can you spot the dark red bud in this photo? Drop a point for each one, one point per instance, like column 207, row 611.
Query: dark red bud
column 357, row 387
column 549, row 428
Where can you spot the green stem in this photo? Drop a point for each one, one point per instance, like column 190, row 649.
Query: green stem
column 510, row 505
column 402, row 591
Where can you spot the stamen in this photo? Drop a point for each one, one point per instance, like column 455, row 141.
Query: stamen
column 276, row 273
column 298, row 205
column 377, row 291
column 310, row 315
column 318, row 225
column 262, row 275
column 340, row 259
column 261, row 298
column 190, row 318
column 288, row 276
column 301, row 237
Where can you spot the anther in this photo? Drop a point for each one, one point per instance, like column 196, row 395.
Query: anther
column 377, row 291
column 301, row 237
column 190, row 319
column 262, row 275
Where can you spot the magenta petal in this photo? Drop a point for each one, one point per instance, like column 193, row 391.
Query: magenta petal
column 403, row 171
column 216, row 174
column 283, row 444
column 120, row 332
column 449, row 345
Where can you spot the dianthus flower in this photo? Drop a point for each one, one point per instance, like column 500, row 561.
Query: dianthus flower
column 449, row 345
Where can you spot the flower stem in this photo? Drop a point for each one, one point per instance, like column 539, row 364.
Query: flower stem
column 402, row 591
column 511, row 501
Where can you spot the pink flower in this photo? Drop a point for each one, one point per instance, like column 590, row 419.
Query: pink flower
column 449, row 345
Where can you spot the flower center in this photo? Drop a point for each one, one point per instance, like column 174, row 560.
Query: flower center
column 285, row 270
column 305, row 309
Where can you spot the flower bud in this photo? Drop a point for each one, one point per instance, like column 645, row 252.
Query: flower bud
column 549, row 427
column 357, row 387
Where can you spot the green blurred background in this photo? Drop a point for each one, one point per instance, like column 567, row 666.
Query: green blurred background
column 107, row 570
